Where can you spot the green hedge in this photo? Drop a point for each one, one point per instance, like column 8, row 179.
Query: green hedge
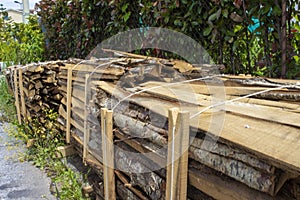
column 73, row 28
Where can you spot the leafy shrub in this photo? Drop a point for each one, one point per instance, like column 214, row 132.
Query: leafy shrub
column 222, row 27
column 21, row 43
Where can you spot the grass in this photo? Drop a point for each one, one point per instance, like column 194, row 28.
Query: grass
column 43, row 153
column 7, row 107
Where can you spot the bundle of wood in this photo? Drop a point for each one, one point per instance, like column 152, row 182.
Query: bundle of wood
column 236, row 154
column 233, row 146
column 37, row 87
column 244, row 131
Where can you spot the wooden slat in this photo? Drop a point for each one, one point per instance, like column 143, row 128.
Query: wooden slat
column 177, row 168
column 23, row 106
column 173, row 156
column 196, row 94
column 220, row 187
column 69, row 101
column 63, row 114
column 184, row 140
column 91, row 159
column 86, row 137
column 108, row 154
column 17, row 103
column 250, row 110
column 270, row 141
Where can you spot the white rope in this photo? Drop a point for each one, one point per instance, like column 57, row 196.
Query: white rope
column 236, row 99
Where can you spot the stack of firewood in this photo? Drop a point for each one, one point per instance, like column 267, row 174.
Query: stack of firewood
column 141, row 126
column 237, row 149
column 36, row 90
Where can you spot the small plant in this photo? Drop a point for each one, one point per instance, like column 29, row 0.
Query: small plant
column 43, row 153
column 7, row 108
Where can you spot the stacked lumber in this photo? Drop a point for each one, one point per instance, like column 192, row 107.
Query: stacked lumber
column 244, row 131
column 242, row 157
column 228, row 155
column 36, row 90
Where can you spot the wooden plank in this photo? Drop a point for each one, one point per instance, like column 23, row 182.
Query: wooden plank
column 69, row 101
column 177, row 167
column 63, row 113
column 152, row 155
column 129, row 186
column 86, row 137
column 96, row 164
column 172, row 164
column 182, row 93
column 108, row 154
column 220, row 187
column 88, row 68
column 267, row 140
column 23, row 106
column 184, row 139
column 65, row 151
column 204, row 92
column 206, row 89
column 16, row 93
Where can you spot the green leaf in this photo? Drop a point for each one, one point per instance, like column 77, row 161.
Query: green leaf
column 225, row 13
column 184, row 1
column 126, row 16
column 195, row 23
column 166, row 20
column 235, row 45
column 177, row 22
column 218, row 13
column 207, row 31
column 237, row 28
column 212, row 17
column 265, row 9
column 124, row 7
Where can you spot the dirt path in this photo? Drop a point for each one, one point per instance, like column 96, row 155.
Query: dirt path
column 19, row 180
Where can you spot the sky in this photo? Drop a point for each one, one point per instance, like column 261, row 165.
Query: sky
column 9, row 4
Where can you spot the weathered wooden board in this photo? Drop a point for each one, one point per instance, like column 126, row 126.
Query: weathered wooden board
column 182, row 93
column 268, row 140
column 222, row 187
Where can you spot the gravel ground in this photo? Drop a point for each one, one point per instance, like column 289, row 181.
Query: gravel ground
column 20, row 180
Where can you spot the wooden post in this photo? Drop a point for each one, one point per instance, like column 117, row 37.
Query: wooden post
column 177, row 160
column 17, row 104
column 69, row 101
column 184, row 120
column 23, row 106
column 108, row 154
column 86, row 136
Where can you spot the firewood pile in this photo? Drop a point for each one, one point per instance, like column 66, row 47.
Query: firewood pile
column 244, row 131
column 35, row 87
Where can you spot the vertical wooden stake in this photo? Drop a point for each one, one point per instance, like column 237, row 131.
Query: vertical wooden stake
column 23, row 107
column 86, row 136
column 17, row 96
column 177, row 169
column 184, row 131
column 69, row 101
column 108, row 154
column 172, row 164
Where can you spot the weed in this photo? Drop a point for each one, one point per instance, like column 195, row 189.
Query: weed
column 7, row 108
